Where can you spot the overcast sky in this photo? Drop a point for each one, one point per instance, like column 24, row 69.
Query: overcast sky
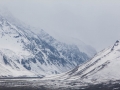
column 95, row 22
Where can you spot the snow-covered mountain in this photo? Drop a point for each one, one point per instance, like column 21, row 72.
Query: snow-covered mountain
column 103, row 67
column 26, row 53
column 99, row 73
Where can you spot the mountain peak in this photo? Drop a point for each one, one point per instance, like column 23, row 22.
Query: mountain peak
column 115, row 45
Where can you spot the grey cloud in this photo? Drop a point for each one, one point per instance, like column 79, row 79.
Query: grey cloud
column 95, row 22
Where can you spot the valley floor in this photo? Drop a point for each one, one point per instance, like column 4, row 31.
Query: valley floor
column 38, row 84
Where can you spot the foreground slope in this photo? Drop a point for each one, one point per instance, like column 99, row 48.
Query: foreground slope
column 100, row 73
column 103, row 67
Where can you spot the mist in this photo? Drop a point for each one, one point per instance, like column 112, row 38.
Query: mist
column 95, row 22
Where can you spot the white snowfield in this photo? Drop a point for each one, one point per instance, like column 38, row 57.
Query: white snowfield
column 14, row 69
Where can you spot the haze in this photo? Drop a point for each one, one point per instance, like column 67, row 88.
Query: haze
column 95, row 22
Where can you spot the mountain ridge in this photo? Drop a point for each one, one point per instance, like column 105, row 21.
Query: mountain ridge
column 101, row 68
